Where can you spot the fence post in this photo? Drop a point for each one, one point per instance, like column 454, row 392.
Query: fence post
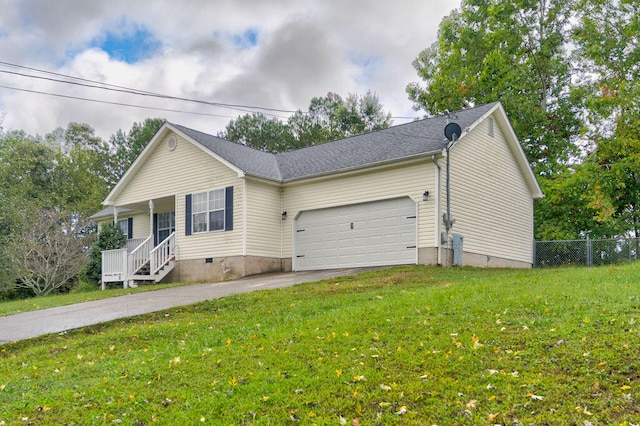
column 589, row 252
column 535, row 253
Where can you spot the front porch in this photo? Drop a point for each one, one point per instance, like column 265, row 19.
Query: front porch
column 148, row 256
column 139, row 261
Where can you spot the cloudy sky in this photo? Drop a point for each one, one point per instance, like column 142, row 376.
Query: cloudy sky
column 255, row 53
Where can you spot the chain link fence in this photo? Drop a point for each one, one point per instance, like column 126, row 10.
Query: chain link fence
column 585, row 252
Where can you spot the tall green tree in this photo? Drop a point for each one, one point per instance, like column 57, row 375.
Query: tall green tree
column 575, row 206
column 608, row 47
column 329, row 118
column 332, row 117
column 26, row 168
column 509, row 51
column 83, row 167
column 261, row 132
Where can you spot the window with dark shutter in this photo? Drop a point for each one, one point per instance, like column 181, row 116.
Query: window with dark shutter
column 209, row 211
column 228, row 208
column 188, row 219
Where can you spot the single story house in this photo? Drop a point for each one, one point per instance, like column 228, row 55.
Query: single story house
column 200, row 208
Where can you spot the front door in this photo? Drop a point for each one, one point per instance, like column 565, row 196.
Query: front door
column 165, row 226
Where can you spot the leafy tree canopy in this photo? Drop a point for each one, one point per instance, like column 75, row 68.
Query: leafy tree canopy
column 329, row 118
column 514, row 52
column 568, row 76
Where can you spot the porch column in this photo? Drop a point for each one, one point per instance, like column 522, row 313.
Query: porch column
column 115, row 215
column 151, row 218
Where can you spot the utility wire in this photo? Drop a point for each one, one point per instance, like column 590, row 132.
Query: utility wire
column 113, row 103
column 123, row 89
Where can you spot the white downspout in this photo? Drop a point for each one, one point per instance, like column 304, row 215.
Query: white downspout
column 244, row 217
column 437, row 198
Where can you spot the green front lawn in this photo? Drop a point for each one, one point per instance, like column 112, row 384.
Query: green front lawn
column 408, row 345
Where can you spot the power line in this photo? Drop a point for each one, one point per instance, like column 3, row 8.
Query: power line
column 113, row 103
column 124, row 89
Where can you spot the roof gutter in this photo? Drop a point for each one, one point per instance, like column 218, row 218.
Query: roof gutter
column 362, row 167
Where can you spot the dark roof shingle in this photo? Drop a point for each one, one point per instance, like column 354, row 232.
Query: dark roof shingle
column 394, row 143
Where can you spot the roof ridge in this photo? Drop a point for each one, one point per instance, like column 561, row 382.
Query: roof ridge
column 373, row 147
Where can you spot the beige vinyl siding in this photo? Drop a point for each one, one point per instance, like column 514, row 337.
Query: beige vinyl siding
column 375, row 184
column 490, row 200
column 184, row 170
column 188, row 170
column 140, row 225
column 264, row 219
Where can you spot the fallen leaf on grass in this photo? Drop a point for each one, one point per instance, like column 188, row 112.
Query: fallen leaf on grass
column 476, row 342
column 385, row 387
column 584, row 410
column 402, row 411
column 535, row 397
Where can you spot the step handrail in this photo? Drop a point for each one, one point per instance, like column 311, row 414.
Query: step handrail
column 162, row 254
column 139, row 256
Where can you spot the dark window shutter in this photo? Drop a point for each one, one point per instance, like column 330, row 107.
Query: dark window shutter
column 155, row 229
column 187, row 220
column 130, row 228
column 228, row 208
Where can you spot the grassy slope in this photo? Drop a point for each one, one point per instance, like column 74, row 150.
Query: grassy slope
column 410, row 345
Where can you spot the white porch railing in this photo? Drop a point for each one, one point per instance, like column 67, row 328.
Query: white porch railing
column 140, row 263
column 162, row 254
column 133, row 243
column 114, row 266
column 140, row 255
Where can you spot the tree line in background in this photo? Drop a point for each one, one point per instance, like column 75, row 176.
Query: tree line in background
column 567, row 73
column 328, row 118
column 50, row 187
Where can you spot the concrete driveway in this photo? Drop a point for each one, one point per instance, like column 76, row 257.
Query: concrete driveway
column 63, row 318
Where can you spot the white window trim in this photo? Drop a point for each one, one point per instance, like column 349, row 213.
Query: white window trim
column 208, row 211
column 125, row 228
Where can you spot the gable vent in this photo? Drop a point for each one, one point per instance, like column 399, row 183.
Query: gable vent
column 172, row 142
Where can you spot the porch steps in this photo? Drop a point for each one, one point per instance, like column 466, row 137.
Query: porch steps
column 143, row 263
column 143, row 276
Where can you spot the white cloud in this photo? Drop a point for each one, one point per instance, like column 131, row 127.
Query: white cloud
column 301, row 50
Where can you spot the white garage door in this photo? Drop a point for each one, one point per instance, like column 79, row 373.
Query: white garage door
column 368, row 234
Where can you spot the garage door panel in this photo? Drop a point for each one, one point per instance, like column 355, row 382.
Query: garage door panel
column 377, row 233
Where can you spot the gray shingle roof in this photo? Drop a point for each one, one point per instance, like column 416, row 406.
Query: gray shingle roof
column 108, row 212
column 247, row 159
column 394, row 143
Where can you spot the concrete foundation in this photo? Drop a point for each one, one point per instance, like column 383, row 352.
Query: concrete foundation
column 428, row 256
column 484, row 261
column 222, row 269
